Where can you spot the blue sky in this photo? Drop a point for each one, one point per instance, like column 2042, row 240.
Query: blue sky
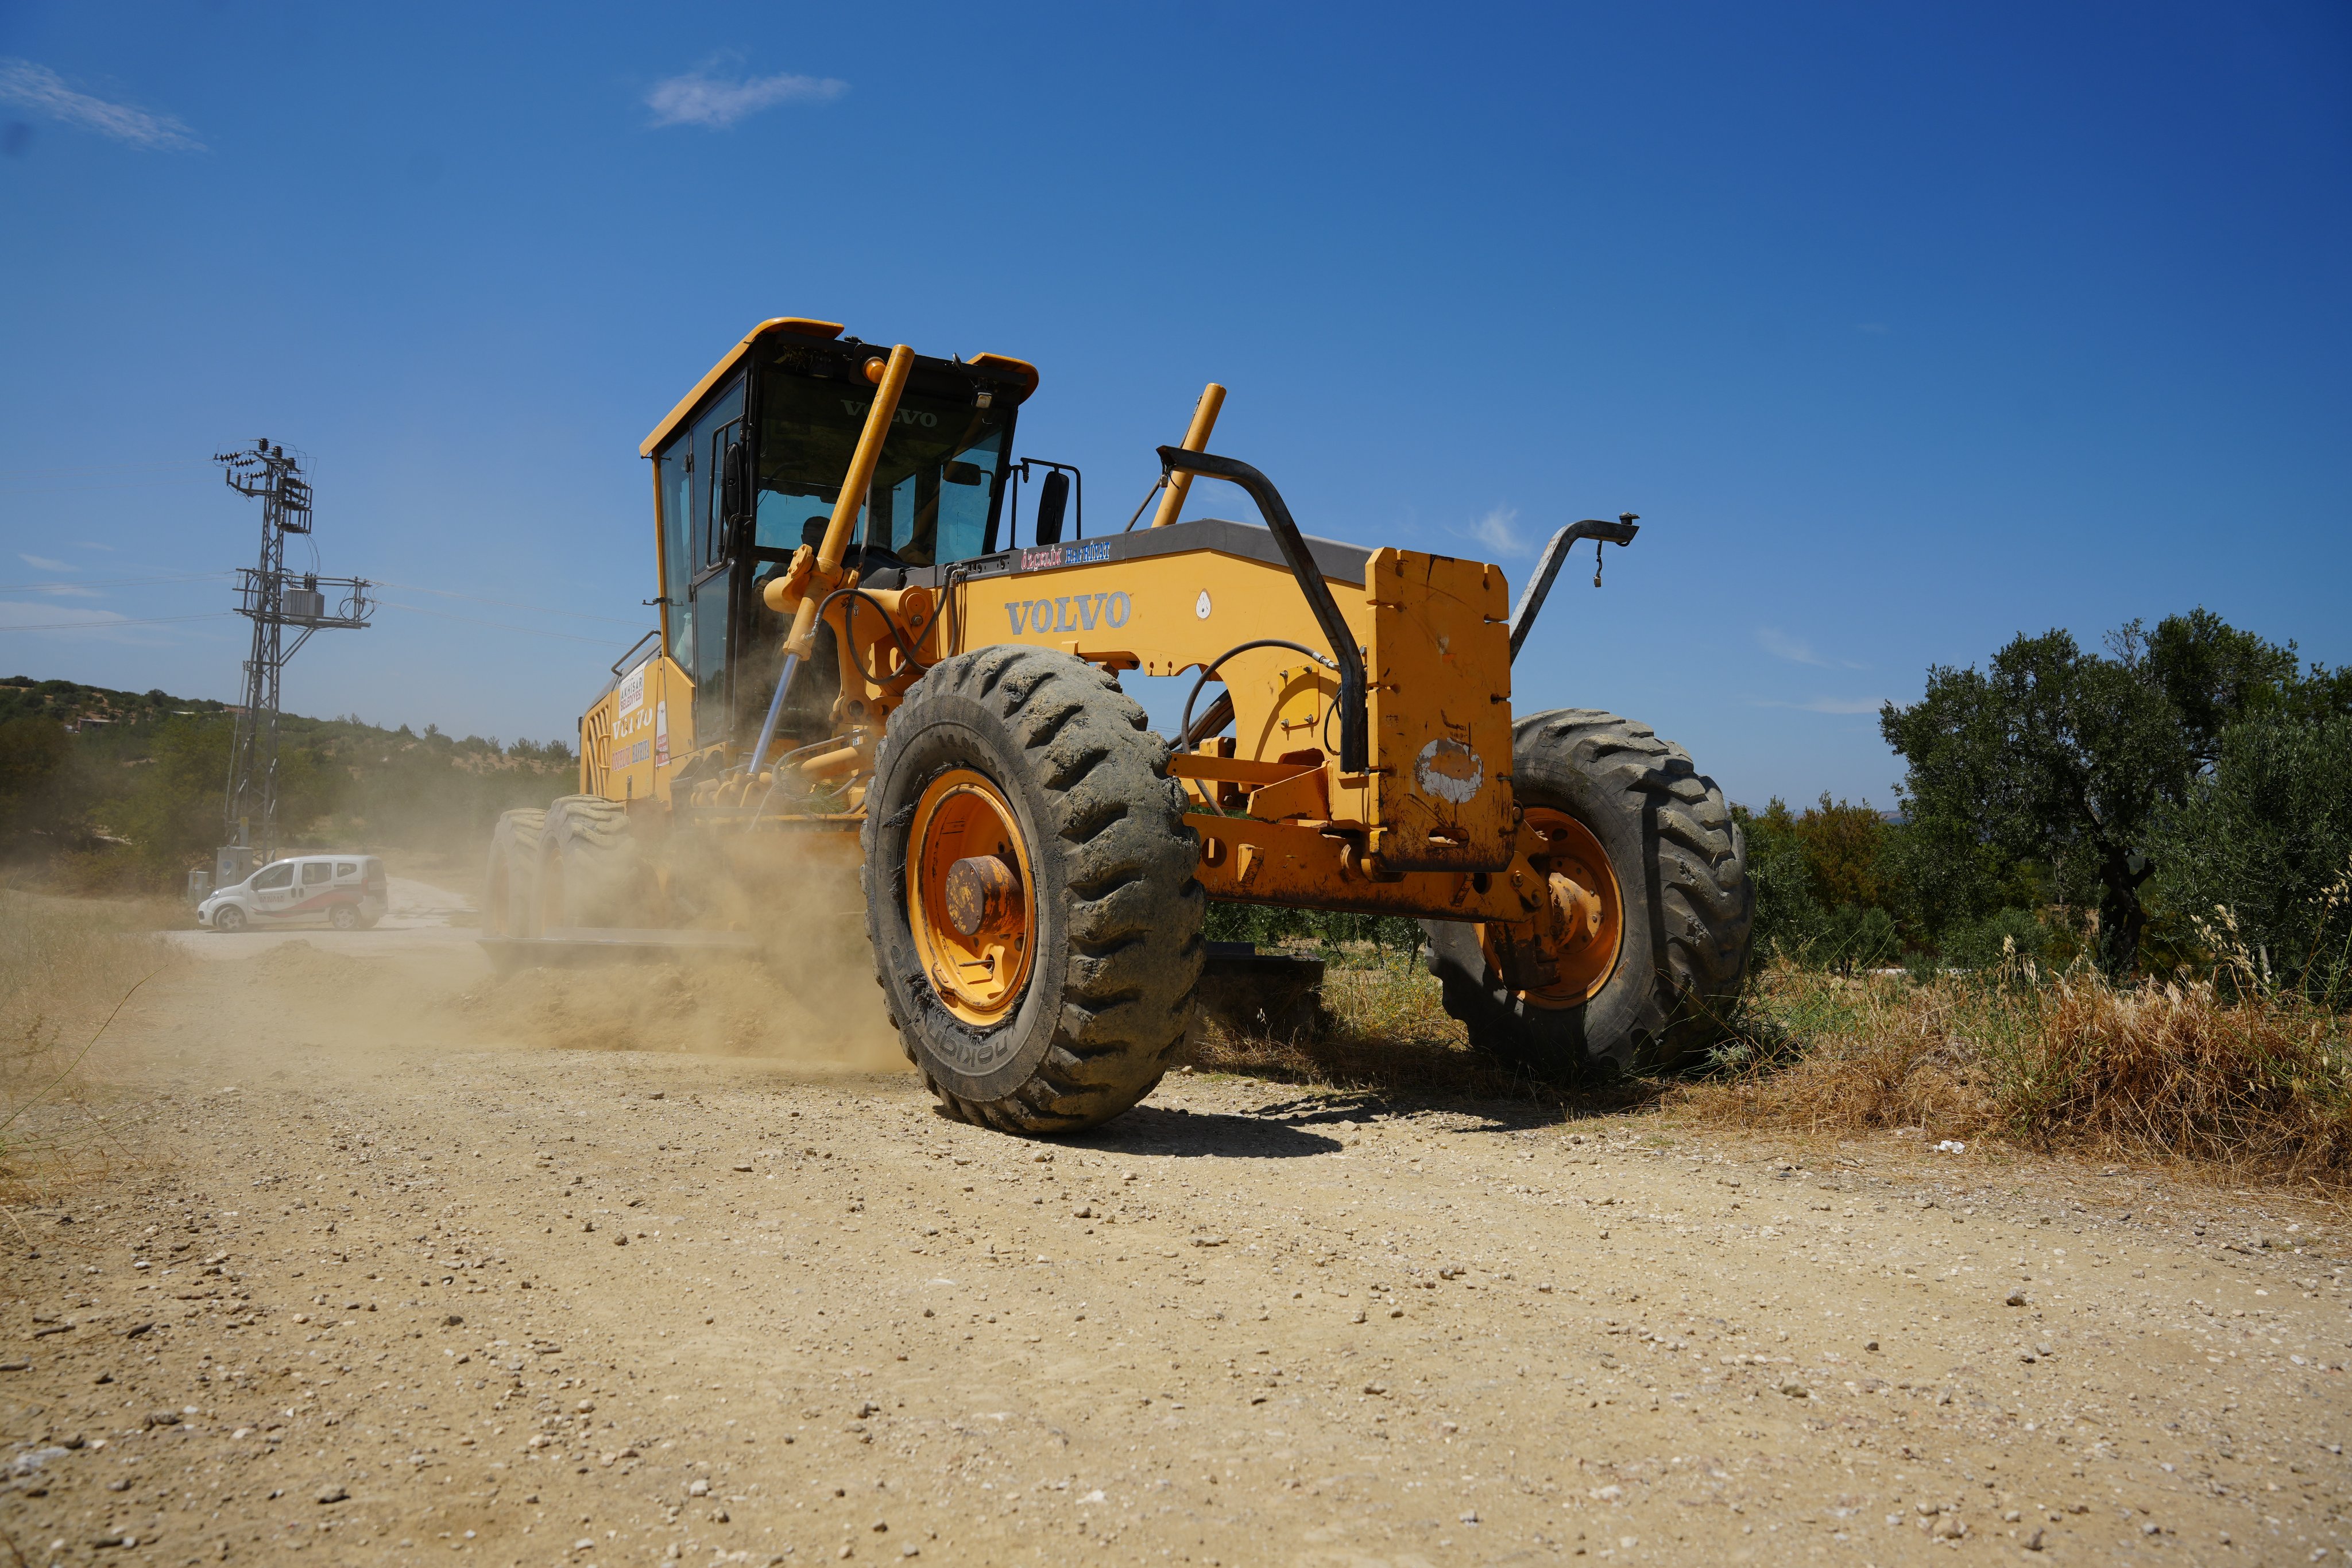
column 1906, row 328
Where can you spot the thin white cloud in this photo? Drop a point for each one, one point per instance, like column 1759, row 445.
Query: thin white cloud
column 1831, row 705
column 698, row 98
column 63, row 621
column 68, row 590
column 1498, row 532
column 42, row 90
column 1797, row 651
column 43, row 562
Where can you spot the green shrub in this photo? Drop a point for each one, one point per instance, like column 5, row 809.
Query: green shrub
column 1984, row 944
column 2259, row 854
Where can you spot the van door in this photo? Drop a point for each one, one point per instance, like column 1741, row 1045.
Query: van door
column 313, row 898
column 273, row 890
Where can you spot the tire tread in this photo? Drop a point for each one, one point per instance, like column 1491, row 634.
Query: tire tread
column 1133, row 907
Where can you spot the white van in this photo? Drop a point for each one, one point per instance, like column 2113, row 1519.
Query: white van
column 346, row 892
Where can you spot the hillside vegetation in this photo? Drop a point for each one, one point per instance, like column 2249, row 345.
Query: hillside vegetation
column 104, row 789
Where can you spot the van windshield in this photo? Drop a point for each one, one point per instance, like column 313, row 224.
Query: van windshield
column 278, row 875
column 934, row 496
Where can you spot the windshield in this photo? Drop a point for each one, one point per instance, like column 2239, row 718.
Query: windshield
column 934, row 496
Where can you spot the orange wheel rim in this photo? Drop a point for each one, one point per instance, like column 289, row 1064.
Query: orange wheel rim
column 969, row 899
column 1597, row 925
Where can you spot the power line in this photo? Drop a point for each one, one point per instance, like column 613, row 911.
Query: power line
column 509, row 603
column 501, row 625
column 110, row 582
column 410, row 586
column 123, row 620
column 104, row 468
column 387, row 603
column 123, row 485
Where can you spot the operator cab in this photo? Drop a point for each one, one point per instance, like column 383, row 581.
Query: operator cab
column 748, row 468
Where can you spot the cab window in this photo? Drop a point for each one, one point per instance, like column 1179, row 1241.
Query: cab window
column 271, row 876
column 935, row 487
column 674, row 482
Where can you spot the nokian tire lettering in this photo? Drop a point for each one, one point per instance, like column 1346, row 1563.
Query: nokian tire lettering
column 1681, row 865
column 1118, row 950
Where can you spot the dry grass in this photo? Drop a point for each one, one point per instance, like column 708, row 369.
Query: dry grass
column 2254, row 1087
column 2262, row 1086
column 66, row 964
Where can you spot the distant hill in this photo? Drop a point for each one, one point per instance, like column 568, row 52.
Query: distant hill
column 73, row 704
column 128, row 786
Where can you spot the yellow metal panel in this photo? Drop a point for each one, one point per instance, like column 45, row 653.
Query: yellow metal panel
column 649, row 719
column 1173, row 612
column 1440, row 674
column 734, row 356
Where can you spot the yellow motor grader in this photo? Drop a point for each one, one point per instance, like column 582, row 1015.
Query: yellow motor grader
column 860, row 666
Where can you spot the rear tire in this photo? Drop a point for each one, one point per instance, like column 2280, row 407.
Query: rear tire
column 1113, row 947
column 590, row 872
column 343, row 917
column 513, row 873
column 1681, row 865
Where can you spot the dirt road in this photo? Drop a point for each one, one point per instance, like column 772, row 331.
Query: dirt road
column 399, row 1277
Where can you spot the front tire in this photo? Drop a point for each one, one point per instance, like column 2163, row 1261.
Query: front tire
column 512, row 875
column 228, row 918
column 1029, row 891
column 590, row 872
column 1684, row 906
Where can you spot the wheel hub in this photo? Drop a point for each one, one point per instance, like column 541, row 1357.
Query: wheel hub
column 1572, row 948
column 983, row 896
column 967, row 874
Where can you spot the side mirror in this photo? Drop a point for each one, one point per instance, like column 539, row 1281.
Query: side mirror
column 734, row 479
column 1053, row 500
column 962, row 474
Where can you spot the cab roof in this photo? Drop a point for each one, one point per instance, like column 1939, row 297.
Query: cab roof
column 1020, row 371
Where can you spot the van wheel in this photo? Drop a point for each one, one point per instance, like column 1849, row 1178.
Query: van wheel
column 513, row 873
column 343, row 917
column 1029, row 891
column 228, row 917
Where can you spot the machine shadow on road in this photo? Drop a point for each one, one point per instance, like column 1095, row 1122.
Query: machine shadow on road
column 1191, row 1134
column 1302, row 1127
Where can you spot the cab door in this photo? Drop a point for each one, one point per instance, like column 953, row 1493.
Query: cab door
column 719, row 481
